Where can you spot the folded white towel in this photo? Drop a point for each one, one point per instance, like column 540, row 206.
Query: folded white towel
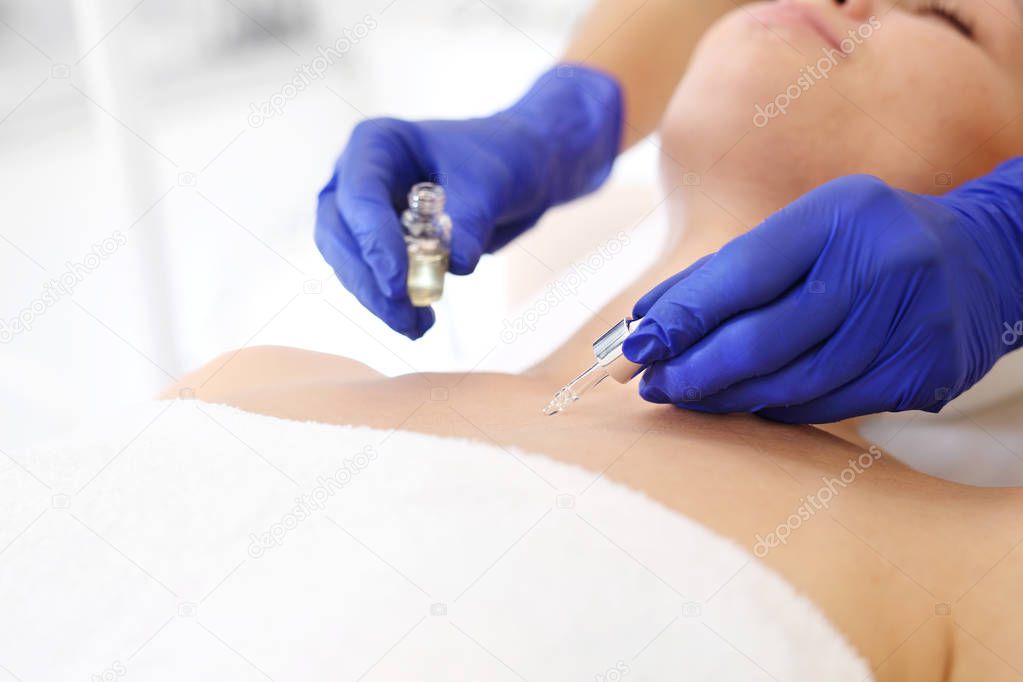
column 194, row 541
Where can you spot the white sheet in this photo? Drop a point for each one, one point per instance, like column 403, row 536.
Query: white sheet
column 138, row 552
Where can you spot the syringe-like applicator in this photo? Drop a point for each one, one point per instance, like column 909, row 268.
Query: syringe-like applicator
column 610, row 362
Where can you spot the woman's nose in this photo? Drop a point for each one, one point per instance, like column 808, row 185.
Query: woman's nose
column 857, row 10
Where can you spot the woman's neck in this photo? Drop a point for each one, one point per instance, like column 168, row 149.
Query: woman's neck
column 703, row 218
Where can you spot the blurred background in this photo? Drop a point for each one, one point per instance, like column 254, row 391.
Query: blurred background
column 161, row 159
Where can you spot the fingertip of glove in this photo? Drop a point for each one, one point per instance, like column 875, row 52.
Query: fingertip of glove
column 466, row 252
column 423, row 320
column 641, row 308
column 459, row 266
column 652, row 394
column 643, row 348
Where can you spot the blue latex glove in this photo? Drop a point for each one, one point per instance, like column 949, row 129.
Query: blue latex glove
column 500, row 174
column 857, row 298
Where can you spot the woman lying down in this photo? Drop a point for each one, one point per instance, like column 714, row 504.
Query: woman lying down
column 308, row 518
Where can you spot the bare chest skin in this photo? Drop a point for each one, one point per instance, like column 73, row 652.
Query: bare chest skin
column 871, row 556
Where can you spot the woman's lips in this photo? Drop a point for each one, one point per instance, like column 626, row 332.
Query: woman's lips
column 799, row 15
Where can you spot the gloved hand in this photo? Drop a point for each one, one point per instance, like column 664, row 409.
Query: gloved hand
column 500, row 174
column 857, row 298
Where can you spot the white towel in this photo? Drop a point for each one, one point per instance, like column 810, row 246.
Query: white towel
column 194, row 541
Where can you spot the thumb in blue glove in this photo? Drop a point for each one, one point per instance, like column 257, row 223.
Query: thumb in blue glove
column 857, row 298
column 500, row 174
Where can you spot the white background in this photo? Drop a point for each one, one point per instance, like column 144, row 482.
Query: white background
column 133, row 117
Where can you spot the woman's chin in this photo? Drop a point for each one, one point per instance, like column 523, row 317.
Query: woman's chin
column 758, row 103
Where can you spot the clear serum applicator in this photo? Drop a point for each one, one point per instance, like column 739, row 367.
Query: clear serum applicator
column 610, row 362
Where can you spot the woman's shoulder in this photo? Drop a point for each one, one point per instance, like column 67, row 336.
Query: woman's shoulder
column 257, row 367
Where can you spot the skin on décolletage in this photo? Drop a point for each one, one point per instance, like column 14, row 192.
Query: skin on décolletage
column 879, row 560
column 895, row 552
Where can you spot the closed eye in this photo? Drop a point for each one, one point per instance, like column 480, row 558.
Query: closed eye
column 941, row 9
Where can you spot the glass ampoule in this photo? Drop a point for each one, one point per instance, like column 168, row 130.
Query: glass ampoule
column 427, row 230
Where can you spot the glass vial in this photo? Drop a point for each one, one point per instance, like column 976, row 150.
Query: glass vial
column 427, row 231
